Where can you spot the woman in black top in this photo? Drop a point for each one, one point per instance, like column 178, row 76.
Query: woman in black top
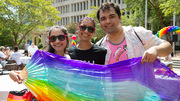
column 86, row 50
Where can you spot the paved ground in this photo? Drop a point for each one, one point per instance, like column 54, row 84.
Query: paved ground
column 177, row 55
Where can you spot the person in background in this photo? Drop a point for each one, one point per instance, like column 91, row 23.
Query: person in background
column 16, row 56
column 86, row 50
column 58, row 42
column 26, row 47
column 126, row 42
column 3, row 57
column 32, row 49
column 7, row 52
column 167, row 61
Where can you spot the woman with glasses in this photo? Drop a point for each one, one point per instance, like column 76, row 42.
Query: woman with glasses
column 58, row 42
column 86, row 50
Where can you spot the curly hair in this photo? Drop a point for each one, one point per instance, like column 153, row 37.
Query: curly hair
column 89, row 19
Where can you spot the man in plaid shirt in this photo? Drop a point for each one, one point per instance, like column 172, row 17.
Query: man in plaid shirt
column 127, row 42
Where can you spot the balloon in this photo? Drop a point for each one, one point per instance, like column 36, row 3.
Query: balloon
column 168, row 29
column 73, row 42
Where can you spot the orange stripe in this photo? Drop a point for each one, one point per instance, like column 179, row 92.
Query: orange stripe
column 16, row 100
column 12, row 97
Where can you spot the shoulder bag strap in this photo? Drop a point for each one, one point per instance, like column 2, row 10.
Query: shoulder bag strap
column 101, row 41
column 138, row 36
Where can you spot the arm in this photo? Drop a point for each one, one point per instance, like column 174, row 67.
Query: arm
column 163, row 50
column 29, row 54
column 3, row 56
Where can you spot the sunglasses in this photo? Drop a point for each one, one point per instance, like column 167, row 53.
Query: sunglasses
column 60, row 38
column 83, row 28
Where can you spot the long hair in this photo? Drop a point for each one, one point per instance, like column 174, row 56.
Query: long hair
column 64, row 30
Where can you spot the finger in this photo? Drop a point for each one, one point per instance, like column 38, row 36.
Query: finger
column 144, row 58
column 19, row 78
column 19, row 82
column 142, row 61
column 152, row 58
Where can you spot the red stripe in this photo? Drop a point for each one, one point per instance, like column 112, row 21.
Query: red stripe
column 14, row 97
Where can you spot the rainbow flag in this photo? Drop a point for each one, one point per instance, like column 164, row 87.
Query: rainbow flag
column 55, row 78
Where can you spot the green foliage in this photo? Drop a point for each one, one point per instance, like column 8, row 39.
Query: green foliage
column 94, row 40
column 39, row 39
column 126, row 20
column 170, row 6
column 72, row 27
column 156, row 17
column 40, row 46
column 22, row 17
column 5, row 40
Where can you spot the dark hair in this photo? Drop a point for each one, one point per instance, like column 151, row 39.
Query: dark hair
column 89, row 19
column 64, row 30
column 107, row 6
column 15, row 49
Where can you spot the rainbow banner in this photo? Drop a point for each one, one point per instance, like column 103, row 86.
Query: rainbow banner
column 55, row 78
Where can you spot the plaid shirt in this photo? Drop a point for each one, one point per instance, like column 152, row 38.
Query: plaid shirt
column 134, row 46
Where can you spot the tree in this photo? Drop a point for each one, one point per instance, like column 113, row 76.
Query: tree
column 5, row 40
column 24, row 16
column 170, row 6
column 156, row 17
column 72, row 27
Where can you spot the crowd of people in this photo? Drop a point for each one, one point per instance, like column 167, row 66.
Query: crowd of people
column 120, row 43
column 7, row 54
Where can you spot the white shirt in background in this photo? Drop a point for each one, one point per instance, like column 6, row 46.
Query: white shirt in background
column 32, row 50
column 2, row 55
column 26, row 46
column 16, row 56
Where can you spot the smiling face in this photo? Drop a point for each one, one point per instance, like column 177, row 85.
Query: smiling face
column 109, row 20
column 58, row 45
column 86, row 35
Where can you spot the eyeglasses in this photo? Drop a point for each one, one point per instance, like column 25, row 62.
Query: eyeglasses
column 83, row 28
column 60, row 38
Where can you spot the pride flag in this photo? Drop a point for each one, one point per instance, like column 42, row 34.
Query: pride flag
column 55, row 78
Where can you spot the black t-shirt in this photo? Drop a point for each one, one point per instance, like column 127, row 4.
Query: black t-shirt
column 96, row 54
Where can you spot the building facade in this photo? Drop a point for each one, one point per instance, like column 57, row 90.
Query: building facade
column 73, row 10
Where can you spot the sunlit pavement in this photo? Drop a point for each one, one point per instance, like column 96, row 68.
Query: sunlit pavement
column 177, row 71
column 177, row 57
